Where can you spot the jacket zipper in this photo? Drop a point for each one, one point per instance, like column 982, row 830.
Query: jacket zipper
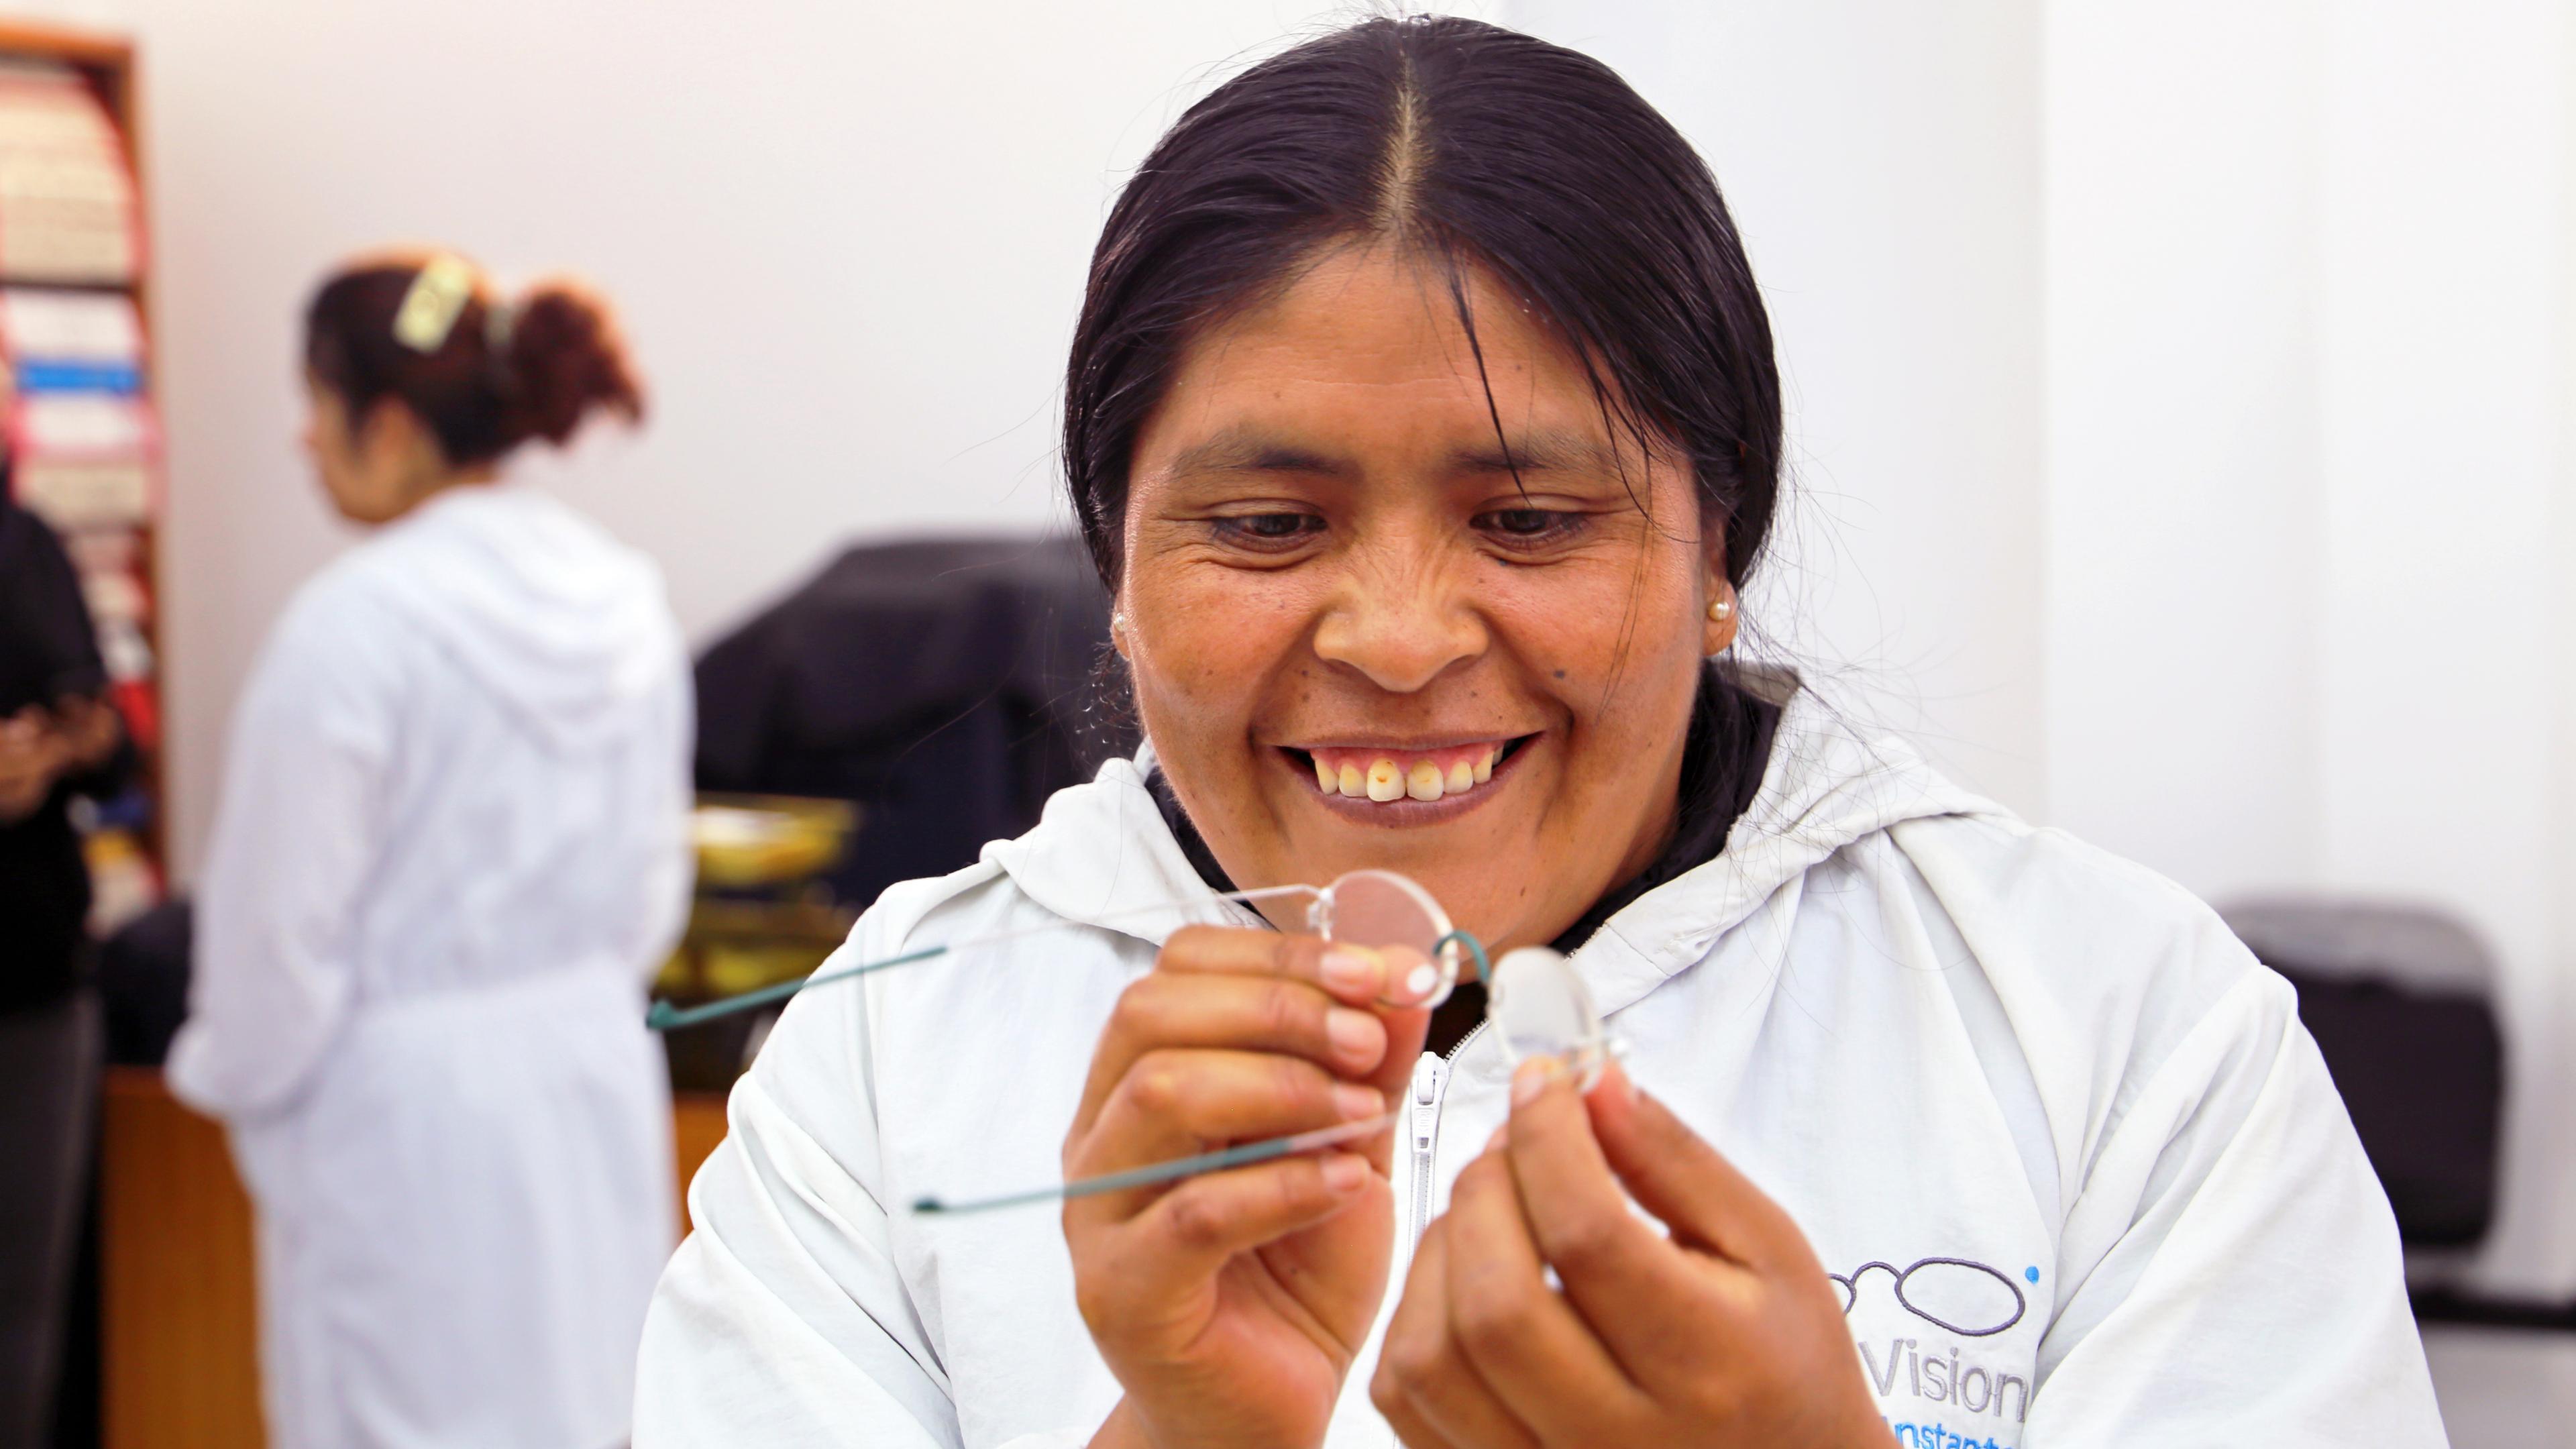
column 1430, row 1078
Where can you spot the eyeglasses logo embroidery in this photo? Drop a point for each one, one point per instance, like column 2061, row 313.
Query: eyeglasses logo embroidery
column 1951, row 1293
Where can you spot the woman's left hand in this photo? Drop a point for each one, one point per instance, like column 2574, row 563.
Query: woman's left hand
column 1727, row 1332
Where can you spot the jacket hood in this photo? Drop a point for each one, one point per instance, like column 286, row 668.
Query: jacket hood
column 566, row 627
column 1102, row 856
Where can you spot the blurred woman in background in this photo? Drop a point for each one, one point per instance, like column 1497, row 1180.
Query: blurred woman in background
column 450, row 853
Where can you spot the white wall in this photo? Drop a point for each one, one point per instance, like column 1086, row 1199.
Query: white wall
column 2447, row 753
column 2308, row 382
column 849, row 240
column 2183, row 496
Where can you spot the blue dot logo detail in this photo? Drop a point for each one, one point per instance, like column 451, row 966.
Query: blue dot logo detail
column 2031, row 1273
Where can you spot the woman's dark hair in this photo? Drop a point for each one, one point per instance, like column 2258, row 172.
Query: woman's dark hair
column 1465, row 143
column 503, row 373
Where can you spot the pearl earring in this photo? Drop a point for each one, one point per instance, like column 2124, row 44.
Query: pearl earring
column 1721, row 609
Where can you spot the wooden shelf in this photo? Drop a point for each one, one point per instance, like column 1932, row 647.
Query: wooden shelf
column 88, row 49
column 108, row 63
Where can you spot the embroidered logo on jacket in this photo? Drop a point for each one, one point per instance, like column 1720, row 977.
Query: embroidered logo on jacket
column 1963, row 1299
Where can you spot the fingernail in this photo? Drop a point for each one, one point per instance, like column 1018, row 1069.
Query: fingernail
column 1344, row 1173
column 1532, row 1078
column 1355, row 1102
column 1354, row 1034
column 1421, row 981
column 1351, row 970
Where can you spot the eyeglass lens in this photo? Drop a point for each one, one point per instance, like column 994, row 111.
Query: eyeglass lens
column 1391, row 915
column 1539, row 1008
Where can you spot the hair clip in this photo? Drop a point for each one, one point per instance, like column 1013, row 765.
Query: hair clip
column 430, row 308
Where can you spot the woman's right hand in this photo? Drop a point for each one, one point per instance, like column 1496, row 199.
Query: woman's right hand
column 1231, row 1305
column 30, row 759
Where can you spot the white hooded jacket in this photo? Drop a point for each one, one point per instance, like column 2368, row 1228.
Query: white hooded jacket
column 2042, row 1089
column 451, row 851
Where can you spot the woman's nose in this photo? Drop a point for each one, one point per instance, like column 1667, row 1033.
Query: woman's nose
column 1403, row 635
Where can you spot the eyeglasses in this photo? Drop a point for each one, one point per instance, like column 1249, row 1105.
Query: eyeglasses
column 1535, row 1002
column 1379, row 909
column 1956, row 1286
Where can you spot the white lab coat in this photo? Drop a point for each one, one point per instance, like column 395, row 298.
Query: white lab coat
column 451, row 851
column 1927, row 1029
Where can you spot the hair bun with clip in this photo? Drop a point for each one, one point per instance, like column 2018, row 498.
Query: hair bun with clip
column 436, row 298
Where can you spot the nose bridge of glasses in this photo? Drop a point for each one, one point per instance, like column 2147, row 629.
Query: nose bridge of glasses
column 1851, row 1281
column 1291, row 908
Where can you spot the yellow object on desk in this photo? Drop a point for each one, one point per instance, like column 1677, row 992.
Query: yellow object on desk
column 763, row 914
column 748, row 841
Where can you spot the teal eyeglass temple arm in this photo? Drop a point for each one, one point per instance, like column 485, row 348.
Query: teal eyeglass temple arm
column 666, row 1017
column 1179, row 1167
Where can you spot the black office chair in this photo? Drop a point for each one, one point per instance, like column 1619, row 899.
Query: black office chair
column 943, row 686
column 2402, row 1001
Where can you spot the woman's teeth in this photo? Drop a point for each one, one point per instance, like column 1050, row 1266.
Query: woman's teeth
column 1388, row 778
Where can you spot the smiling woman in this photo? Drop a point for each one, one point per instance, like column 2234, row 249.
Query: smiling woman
column 1423, row 423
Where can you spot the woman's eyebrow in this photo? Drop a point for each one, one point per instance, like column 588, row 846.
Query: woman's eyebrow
column 1547, row 450
column 1243, row 450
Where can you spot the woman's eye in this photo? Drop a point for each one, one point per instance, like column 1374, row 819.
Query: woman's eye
column 1529, row 525
column 1268, row 530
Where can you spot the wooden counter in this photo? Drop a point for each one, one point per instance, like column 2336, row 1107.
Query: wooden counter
column 178, row 1314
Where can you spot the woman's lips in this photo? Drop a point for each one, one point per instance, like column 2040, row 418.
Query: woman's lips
column 1388, row 775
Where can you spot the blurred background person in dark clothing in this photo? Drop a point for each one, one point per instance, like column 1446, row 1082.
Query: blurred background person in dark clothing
column 58, row 738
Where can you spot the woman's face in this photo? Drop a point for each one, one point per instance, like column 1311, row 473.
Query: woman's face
column 371, row 474
column 1334, row 592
